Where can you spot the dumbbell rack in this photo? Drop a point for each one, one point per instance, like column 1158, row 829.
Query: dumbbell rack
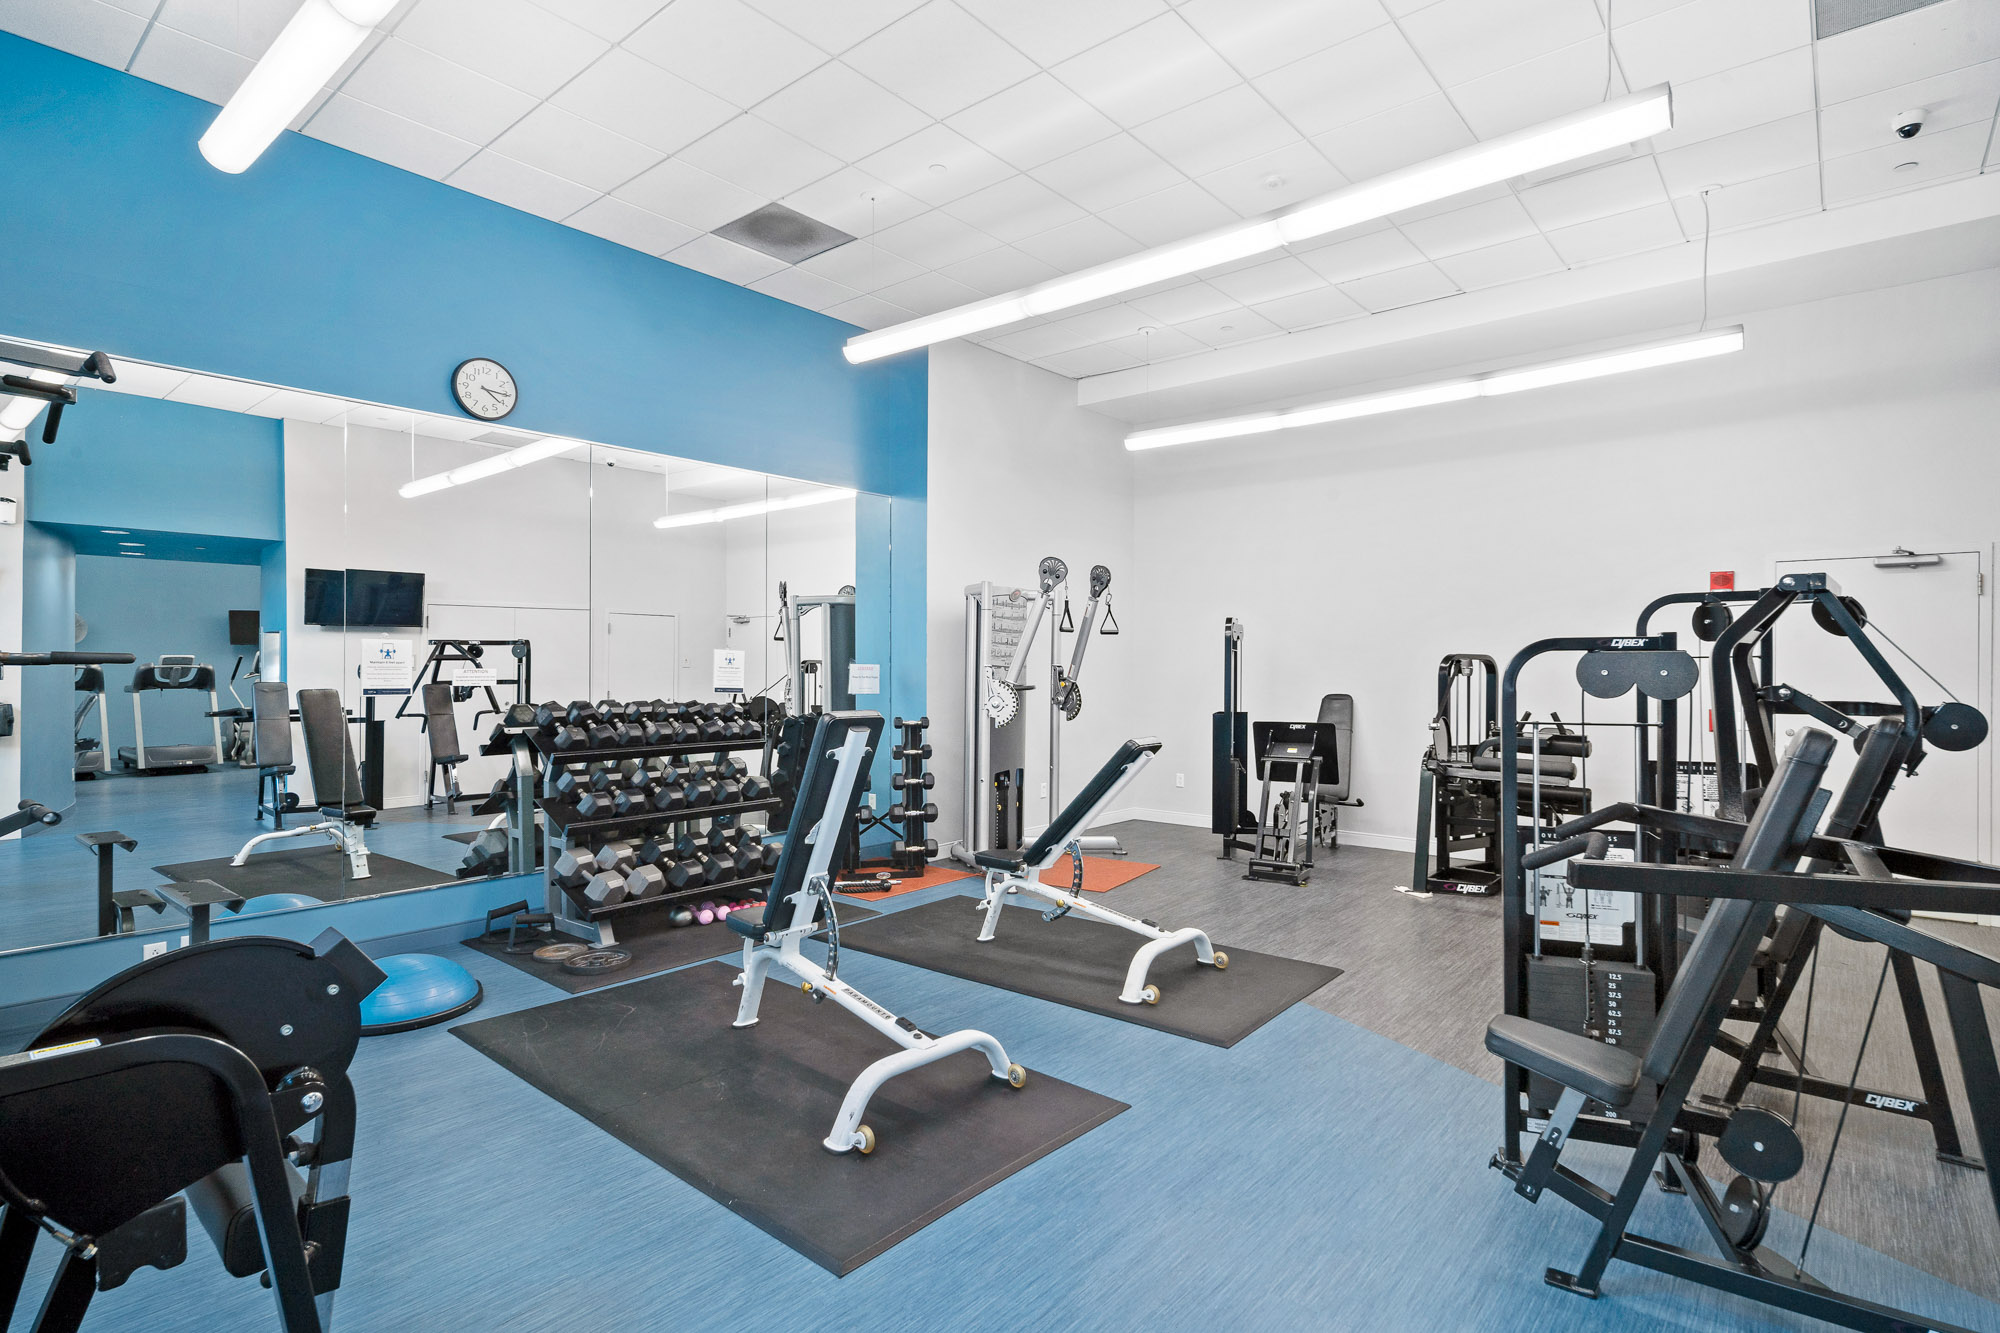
column 913, row 849
column 561, row 822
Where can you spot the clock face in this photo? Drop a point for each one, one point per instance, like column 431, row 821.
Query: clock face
column 484, row 388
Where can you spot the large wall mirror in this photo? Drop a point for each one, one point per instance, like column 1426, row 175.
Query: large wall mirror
column 331, row 608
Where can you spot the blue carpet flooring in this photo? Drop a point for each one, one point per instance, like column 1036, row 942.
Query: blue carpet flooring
column 1315, row 1176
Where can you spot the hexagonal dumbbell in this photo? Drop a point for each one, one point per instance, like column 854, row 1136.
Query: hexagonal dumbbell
column 605, row 889
column 646, row 882
column 900, row 812
column 580, row 713
column 567, row 738
column 630, row 801
column 754, row 788
column 898, row 781
column 616, row 854
column 570, row 870
column 700, row 787
column 688, row 872
column 596, row 804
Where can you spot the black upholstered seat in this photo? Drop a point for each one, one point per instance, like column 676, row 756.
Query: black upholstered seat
column 997, row 861
column 1610, row 1074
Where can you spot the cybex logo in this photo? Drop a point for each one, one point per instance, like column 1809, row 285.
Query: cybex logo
column 1876, row 1099
column 1630, row 643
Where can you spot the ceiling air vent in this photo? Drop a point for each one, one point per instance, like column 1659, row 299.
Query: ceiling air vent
column 1832, row 17
column 782, row 233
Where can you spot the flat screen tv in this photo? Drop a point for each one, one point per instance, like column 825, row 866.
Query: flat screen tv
column 243, row 627
column 374, row 598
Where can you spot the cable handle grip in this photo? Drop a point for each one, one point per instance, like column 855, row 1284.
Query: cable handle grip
column 1591, row 845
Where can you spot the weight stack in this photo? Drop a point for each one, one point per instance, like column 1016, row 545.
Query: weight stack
column 1622, row 1003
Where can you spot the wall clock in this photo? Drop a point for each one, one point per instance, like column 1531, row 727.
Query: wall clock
column 484, row 388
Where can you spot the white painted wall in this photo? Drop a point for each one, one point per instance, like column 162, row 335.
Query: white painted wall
column 1359, row 554
column 13, row 487
column 1018, row 472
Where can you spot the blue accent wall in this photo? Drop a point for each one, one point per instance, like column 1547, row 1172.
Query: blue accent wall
column 149, row 607
column 48, row 694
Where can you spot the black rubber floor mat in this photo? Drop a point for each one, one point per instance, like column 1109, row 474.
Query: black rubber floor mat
column 1082, row 964
column 318, row 872
column 739, row 1112
column 655, row 947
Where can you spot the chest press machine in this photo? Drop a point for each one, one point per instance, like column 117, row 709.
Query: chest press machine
column 800, row 898
column 1007, row 874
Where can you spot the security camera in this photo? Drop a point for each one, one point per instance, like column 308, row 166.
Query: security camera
column 1908, row 123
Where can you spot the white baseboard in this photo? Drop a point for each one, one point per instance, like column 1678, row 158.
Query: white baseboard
column 1359, row 838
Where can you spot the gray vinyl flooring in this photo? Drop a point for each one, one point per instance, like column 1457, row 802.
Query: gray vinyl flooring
column 1426, row 972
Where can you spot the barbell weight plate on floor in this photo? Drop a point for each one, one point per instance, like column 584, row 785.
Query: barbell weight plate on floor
column 1746, row 1212
column 594, row 961
column 1761, row 1144
column 1666, row 674
column 1710, row 619
column 1955, row 726
column 559, row 953
column 1824, row 619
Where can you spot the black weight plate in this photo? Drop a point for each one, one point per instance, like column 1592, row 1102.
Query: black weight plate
column 1746, row 1211
column 1666, row 675
column 1710, row 619
column 560, row 953
column 594, row 961
column 1605, row 675
column 1761, row 1144
column 1955, row 726
column 1824, row 619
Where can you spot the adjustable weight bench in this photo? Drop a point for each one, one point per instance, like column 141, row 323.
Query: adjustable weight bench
column 441, row 730
column 336, row 782
column 838, row 752
column 1023, row 874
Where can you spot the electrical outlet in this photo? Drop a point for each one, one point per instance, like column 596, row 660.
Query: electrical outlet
column 1045, row 791
column 1180, row 779
column 153, row 950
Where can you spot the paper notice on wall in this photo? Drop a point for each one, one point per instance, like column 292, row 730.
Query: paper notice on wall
column 864, row 678
column 473, row 676
column 388, row 666
column 729, row 670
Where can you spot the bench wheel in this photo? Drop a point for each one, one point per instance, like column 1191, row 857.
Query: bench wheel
column 1017, row 1076
column 864, row 1140
column 1151, row 995
column 1221, row 961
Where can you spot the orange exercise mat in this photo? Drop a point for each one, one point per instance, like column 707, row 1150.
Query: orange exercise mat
column 944, row 872
column 1101, row 874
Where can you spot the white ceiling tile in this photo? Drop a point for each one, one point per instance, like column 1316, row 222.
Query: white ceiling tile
column 1363, row 256
column 103, row 33
column 1100, row 359
column 1051, row 31
column 190, row 65
column 1115, row 320
column 1762, row 150
column 724, row 259
column 1362, row 77
column 1961, row 97
column 757, row 155
column 641, row 101
column 388, row 137
column 1619, row 188
column 292, row 405
column 1642, row 229
column 1555, row 84
column 1491, row 223
column 518, row 185
column 861, row 266
column 870, row 312
column 1908, row 47
column 933, row 240
column 1400, row 287
column 1309, row 310
column 613, row 20
column 1192, row 300
column 1004, row 269
column 146, row 381
column 1218, row 131
column 1881, row 170
column 1079, row 245
column 936, row 165
column 941, row 59
column 1764, row 90
column 1035, row 121
column 246, row 27
column 216, row 391
column 418, row 85
column 521, row 45
column 1786, row 194
column 630, row 226
column 835, row 109
column 1148, row 346
column 689, row 196
column 1231, row 326
column 726, row 47
column 1016, row 207
column 1267, row 281
column 1172, row 214
column 854, row 201
column 834, row 27
column 1274, row 180
column 571, row 147
column 1415, row 132
column 1257, row 36
column 803, row 289
column 1528, row 257
column 928, row 293
column 1038, row 341
column 1451, row 203
column 1157, row 67
column 1460, row 40
column 1707, row 37
column 1110, row 172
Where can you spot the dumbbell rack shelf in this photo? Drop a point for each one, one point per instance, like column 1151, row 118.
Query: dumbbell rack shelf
column 560, row 822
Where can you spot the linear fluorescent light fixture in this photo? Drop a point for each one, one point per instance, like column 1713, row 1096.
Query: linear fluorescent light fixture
column 1608, row 125
column 1492, row 384
column 753, row 508
column 519, row 456
column 308, row 53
